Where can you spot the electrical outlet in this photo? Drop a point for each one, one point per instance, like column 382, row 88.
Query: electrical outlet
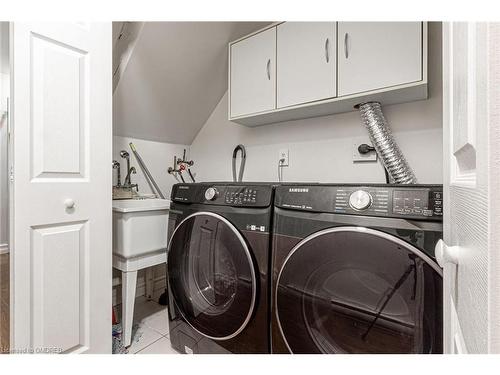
column 283, row 154
column 357, row 157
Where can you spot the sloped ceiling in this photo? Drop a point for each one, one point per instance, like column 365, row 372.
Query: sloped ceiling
column 174, row 79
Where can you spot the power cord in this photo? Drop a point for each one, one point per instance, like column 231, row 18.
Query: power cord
column 280, row 169
column 365, row 149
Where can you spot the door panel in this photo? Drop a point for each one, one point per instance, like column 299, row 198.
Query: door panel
column 306, row 62
column 60, row 253
column 211, row 275
column 61, row 233
column 60, row 118
column 375, row 55
column 253, row 74
column 335, row 295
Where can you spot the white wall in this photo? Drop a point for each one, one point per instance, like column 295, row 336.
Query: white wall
column 158, row 156
column 321, row 148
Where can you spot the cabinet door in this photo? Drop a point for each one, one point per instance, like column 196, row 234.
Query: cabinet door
column 306, row 62
column 252, row 77
column 374, row 55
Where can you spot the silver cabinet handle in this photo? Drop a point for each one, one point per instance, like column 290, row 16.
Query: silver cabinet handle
column 327, row 50
column 346, row 52
column 268, row 69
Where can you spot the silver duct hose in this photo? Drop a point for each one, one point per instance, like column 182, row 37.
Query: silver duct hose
column 385, row 145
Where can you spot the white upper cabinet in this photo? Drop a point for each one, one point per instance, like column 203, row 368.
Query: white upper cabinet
column 376, row 55
column 252, row 74
column 294, row 70
column 306, row 62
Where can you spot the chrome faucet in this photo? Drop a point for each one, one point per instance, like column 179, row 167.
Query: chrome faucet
column 116, row 165
column 127, row 183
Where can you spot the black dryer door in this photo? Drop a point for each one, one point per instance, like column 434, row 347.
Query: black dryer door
column 359, row 290
column 211, row 275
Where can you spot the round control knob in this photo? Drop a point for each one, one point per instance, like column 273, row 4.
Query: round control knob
column 211, row 194
column 360, row 200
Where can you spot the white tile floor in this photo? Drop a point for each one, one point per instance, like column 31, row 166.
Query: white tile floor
column 151, row 335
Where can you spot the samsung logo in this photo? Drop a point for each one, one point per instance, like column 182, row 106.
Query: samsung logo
column 184, row 187
column 298, row 190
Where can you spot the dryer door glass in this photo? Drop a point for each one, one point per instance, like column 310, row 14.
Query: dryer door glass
column 211, row 275
column 358, row 290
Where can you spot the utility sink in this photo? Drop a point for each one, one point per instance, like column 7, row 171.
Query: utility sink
column 139, row 226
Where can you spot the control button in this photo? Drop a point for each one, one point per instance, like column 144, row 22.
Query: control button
column 427, row 212
column 211, row 194
column 360, row 200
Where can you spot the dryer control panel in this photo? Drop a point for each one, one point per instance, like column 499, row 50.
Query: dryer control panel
column 407, row 201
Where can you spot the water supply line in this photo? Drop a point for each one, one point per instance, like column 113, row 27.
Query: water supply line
column 241, row 148
column 145, row 169
column 184, row 165
column 382, row 139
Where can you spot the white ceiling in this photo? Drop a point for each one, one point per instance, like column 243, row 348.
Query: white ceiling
column 174, row 79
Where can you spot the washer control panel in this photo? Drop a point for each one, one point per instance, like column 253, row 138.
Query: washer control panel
column 407, row 201
column 240, row 195
column 226, row 195
column 417, row 202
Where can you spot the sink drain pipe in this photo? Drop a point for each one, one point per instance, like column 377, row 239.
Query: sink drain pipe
column 382, row 139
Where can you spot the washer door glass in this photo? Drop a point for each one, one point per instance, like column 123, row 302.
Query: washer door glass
column 211, row 275
column 358, row 290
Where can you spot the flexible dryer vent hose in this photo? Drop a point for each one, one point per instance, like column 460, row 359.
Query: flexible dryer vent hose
column 385, row 145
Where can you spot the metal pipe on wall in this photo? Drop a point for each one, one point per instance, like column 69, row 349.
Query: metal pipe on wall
column 146, row 170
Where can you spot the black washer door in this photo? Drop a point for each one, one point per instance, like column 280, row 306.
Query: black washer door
column 358, row 290
column 211, row 275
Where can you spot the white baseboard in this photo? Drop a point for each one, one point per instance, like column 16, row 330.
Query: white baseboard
column 4, row 248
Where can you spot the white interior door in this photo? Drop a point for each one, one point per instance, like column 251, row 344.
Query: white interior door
column 306, row 62
column 471, row 72
column 61, row 232
column 375, row 55
column 252, row 74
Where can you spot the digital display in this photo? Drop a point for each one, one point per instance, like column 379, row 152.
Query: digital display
column 414, row 202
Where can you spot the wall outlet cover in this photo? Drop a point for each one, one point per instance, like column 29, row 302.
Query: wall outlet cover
column 284, row 154
column 357, row 157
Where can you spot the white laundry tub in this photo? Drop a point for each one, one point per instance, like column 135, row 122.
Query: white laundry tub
column 139, row 226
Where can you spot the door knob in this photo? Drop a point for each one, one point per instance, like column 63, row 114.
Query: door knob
column 446, row 254
column 69, row 203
